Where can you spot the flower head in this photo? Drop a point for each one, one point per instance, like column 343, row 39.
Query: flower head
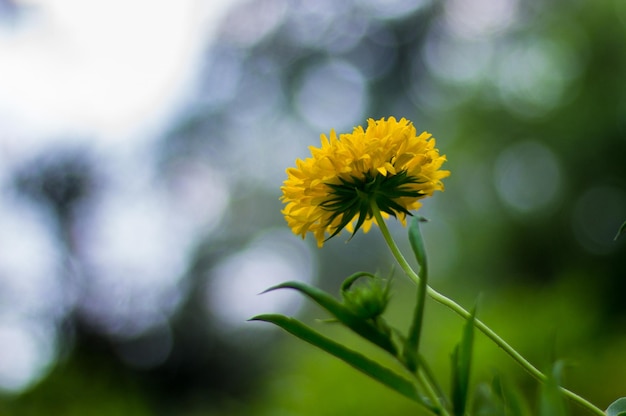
column 387, row 165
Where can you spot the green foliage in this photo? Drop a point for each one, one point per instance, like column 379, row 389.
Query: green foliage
column 499, row 398
column 419, row 384
column 83, row 386
column 511, row 398
column 361, row 312
column 618, row 407
column 372, row 328
column 353, row 358
column 551, row 400
column 415, row 332
column 461, row 366
column 416, row 240
column 376, row 334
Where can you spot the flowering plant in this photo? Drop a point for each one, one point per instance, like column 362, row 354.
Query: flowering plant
column 359, row 179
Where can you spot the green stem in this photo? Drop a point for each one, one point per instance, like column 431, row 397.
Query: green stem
column 438, row 297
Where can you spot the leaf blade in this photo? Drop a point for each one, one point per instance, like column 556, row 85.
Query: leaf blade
column 342, row 314
column 512, row 398
column 622, row 230
column 413, row 340
column 618, row 407
column 551, row 401
column 416, row 241
column 356, row 360
column 461, row 367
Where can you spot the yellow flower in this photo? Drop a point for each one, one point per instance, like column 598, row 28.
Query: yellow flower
column 386, row 164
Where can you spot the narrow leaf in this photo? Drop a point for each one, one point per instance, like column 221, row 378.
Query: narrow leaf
column 621, row 231
column 351, row 357
column 344, row 315
column 461, row 366
column 512, row 399
column 485, row 402
column 551, row 400
column 417, row 243
column 618, row 407
column 414, row 337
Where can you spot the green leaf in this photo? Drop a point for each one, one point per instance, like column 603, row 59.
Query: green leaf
column 499, row 398
column 343, row 314
column 485, row 402
column 413, row 341
column 417, row 243
column 551, row 401
column 621, row 231
column 512, row 399
column 461, row 366
column 353, row 358
column 618, row 407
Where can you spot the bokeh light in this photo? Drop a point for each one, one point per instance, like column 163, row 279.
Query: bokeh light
column 393, row 9
column 457, row 60
column 481, row 18
column 234, row 286
column 28, row 287
column 249, row 23
column 332, row 93
column 126, row 291
column 31, row 295
column 53, row 70
column 28, row 351
column 535, row 76
column 528, row 177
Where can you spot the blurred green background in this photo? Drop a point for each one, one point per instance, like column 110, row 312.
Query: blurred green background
column 134, row 239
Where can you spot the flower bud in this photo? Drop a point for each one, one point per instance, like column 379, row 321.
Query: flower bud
column 369, row 299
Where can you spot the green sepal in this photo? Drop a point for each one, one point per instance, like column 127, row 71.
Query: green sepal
column 353, row 198
column 350, row 280
column 371, row 368
column 461, row 366
column 361, row 326
column 618, row 407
